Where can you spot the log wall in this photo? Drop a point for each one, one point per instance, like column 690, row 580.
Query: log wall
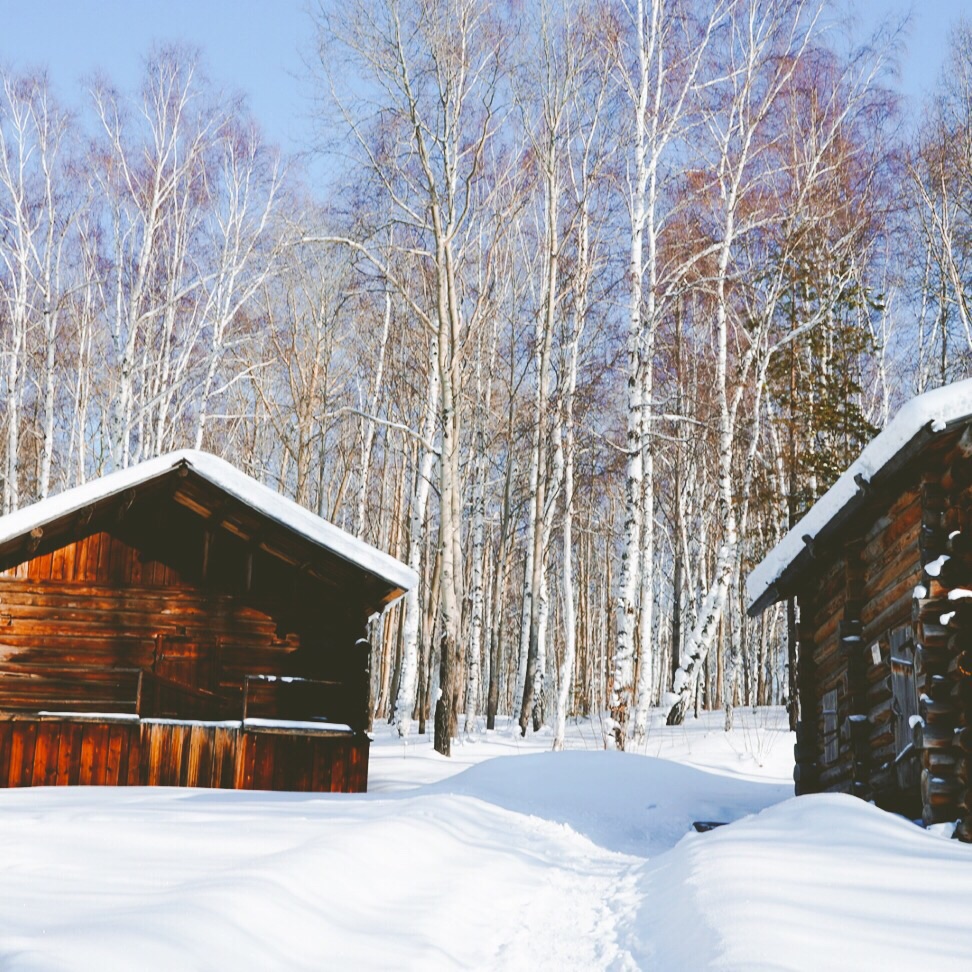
column 111, row 752
column 850, row 610
column 942, row 612
column 823, row 761
column 885, row 669
column 76, row 623
column 179, row 607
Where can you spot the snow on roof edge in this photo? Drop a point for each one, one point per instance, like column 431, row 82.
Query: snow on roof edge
column 934, row 409
column 232, row 481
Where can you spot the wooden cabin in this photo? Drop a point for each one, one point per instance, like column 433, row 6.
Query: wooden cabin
column 881, row 569
column 178, row 623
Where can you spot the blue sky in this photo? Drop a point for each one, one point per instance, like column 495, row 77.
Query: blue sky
column 255, row 45
column 249, row 45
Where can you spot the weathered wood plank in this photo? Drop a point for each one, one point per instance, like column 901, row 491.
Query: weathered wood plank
column 69, row 754
column 245, row 762
column 263, row 746
column 339, row 766
column 45, row 754
column 6, row 733
column 115, row 772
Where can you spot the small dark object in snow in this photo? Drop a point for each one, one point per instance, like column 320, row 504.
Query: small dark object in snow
column 702, row 826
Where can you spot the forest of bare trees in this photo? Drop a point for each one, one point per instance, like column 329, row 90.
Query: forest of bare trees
column 597, row 299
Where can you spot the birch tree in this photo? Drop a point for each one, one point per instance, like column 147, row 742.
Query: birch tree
column 37, row 209
column 239, row 233
column 588, row 135
column 148, row 165
column 768, row 47
column 435, row 70
column 941, row 184
column 659, row 79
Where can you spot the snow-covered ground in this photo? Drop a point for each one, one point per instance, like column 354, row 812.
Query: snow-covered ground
column 505, row 857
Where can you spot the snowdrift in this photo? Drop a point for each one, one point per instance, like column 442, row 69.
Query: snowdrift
column 577, row 860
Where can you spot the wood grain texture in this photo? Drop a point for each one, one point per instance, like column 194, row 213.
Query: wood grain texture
column 60, row 752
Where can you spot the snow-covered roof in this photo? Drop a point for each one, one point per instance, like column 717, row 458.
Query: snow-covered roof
column 229, row 480
column 924, row 416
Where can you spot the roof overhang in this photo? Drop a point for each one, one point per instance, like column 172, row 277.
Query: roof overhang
column 52, row 513
column 916, row 424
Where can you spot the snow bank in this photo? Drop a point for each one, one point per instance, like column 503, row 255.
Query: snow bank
column 623, row 803
column 818, row 882
column 507, row 857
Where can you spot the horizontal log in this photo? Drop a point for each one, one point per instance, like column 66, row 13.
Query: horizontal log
column 932, row 737
column 892, row 584
column 882, row 737
column 930, row 634
column 829, row 671
column 932, row 710
column 939, row 687
column 804, row 751
column 934, row 588
column 959, row 542
column 878, row 698
column 944, row 813
column 960, row 667
column 963, row 739
column 880, row 713
column 884, row 615
column 825, row 638
column 888, row 532
column 931, row 662
column 806, row 730
column 835, row 778
column 875, row 671
column 929, row 609
column 937, row 790
column 941, row 762
column 805, row 772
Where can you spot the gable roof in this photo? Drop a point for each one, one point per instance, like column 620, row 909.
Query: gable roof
column 229, row 480
column 915, row 424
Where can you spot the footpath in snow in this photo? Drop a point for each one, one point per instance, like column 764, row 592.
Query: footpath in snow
column 505, row 857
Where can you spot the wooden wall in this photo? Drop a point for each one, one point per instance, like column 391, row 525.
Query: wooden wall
column 886, row 648
column 854, row 607
column 177, row 600
column 57, row 752
column 99, row 603
column 942, row 612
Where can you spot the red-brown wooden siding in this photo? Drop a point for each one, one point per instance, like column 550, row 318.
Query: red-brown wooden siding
column 61, row 751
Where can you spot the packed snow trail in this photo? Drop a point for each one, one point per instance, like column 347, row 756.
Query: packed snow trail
column 160, row 879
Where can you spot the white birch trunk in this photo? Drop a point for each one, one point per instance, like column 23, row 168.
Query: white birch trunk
column 408, row 682
column 370, row 425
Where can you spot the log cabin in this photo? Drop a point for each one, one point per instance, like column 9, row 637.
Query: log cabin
column 178, row 623
column 881, row 571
